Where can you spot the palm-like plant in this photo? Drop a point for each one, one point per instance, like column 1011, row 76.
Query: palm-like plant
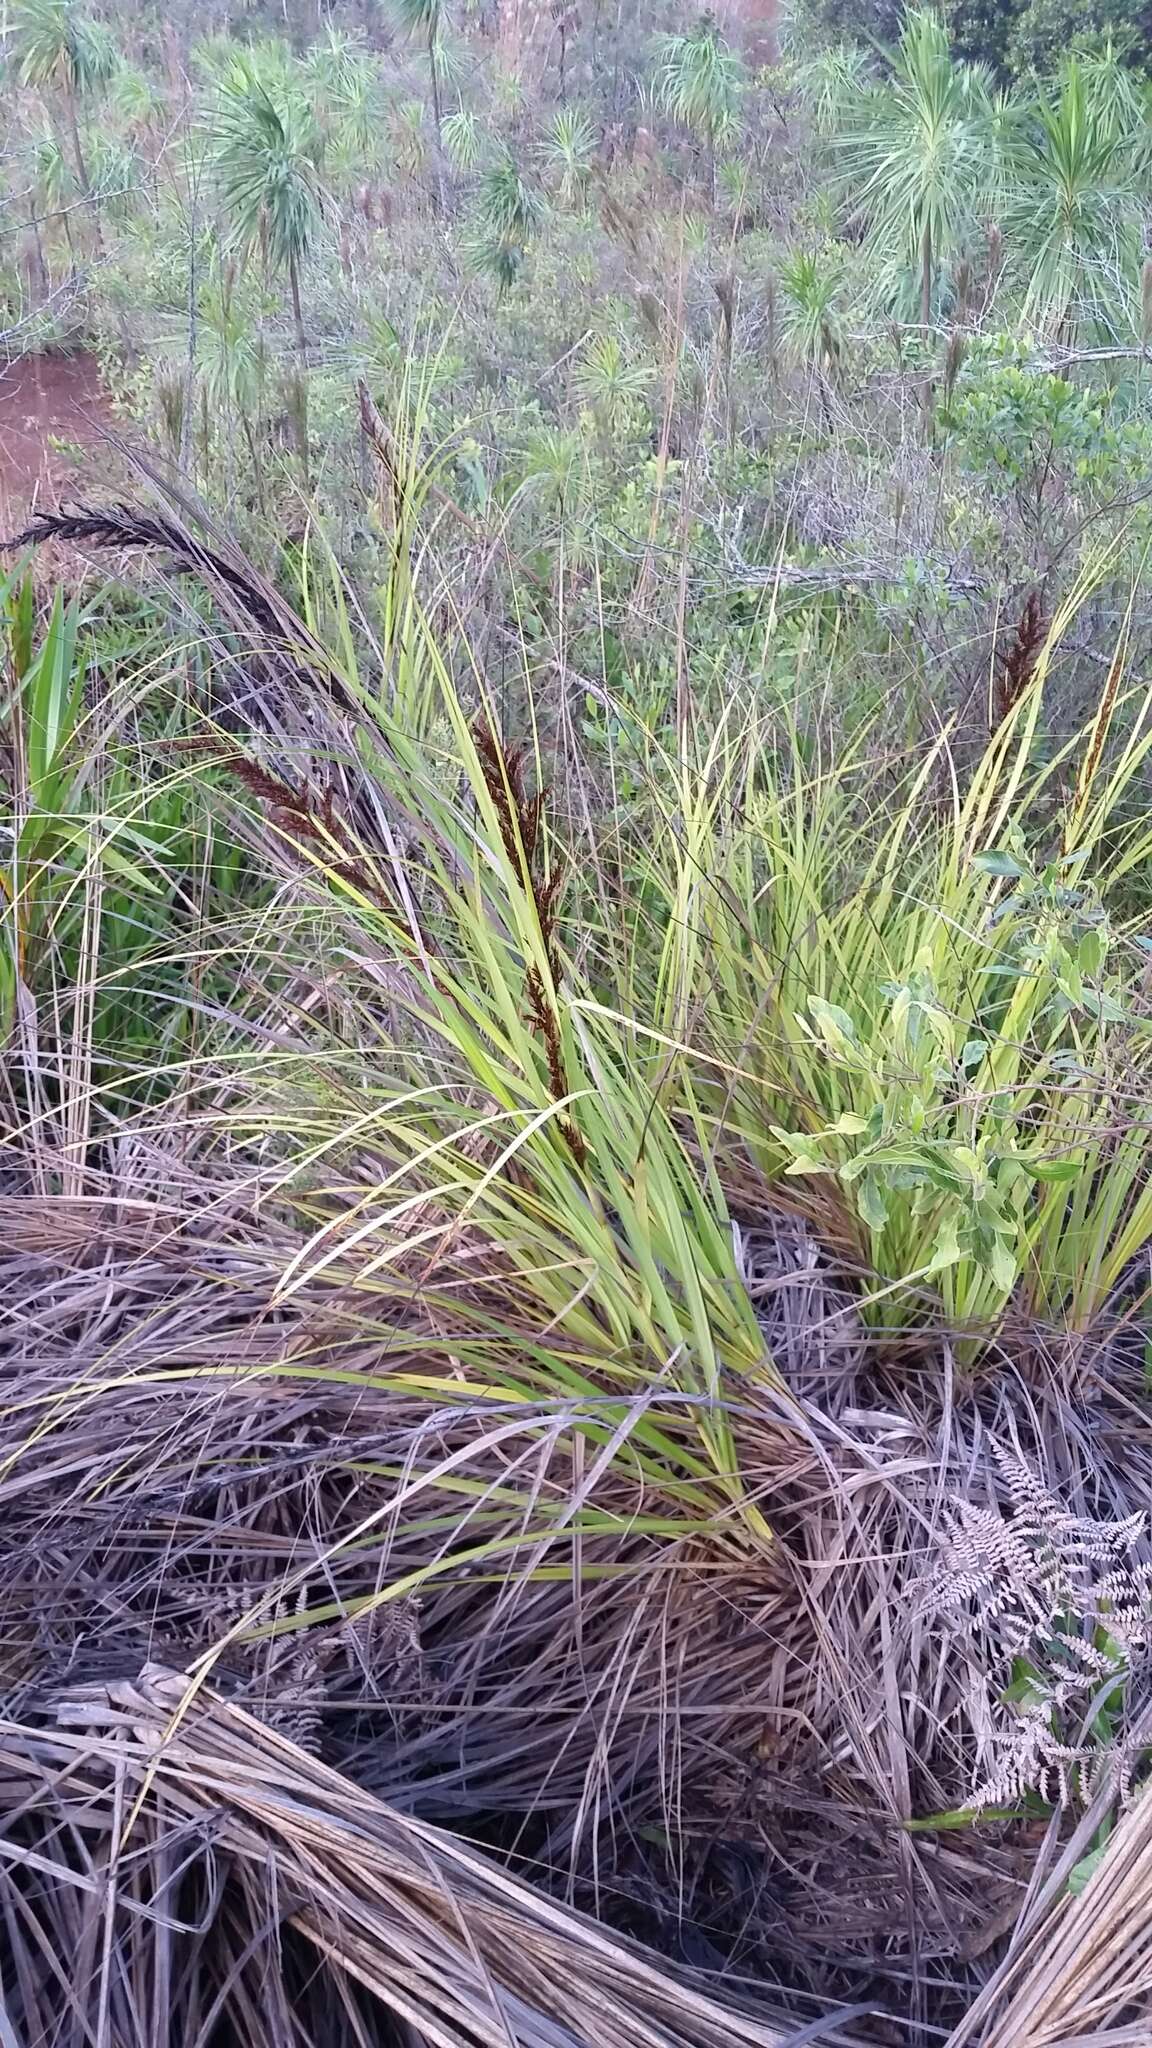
column 214, row 57
column 53, row 183
column 409, row 137
column 556, row 486
column 699, row 82
column 463, row 141
column 609, row 382
column 919, row 162
column 508, row 212
column 138, row 102
column 734, row 182
column 268, row 151
column 347, row 81
column 1073, row 209
column 568, row 151
column 115, row 170
column 810, row 313
column 54, row 46
column 336, row 63
column 233, row 363
column 428, row 20
column 833, row 83
column 553, row 464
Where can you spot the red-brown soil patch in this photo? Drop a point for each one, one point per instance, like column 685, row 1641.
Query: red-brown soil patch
column 53, row 409
column 755, row 23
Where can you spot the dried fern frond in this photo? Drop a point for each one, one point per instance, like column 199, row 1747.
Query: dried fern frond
column 1061, row 1596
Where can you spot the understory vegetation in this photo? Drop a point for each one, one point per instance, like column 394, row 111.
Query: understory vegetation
column 576, row 1026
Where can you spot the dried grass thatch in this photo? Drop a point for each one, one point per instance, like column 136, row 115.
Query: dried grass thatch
column 715, row 1759
column 456, row 1950
column 1079, row 1968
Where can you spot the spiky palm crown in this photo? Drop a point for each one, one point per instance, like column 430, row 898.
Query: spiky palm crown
column 699, row 81
column 268, row 161
column 54, row 45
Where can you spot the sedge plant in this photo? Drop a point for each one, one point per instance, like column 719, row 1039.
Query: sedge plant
column 561, row 1227
column 927, row 1008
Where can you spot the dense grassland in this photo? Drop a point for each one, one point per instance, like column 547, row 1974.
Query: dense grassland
column 575, row 1028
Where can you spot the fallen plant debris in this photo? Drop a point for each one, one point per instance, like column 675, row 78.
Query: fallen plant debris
column 447, row 1942
column 575, row 1026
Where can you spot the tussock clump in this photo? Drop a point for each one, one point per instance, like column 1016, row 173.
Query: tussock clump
column 396, row 1377
column 809, row 1317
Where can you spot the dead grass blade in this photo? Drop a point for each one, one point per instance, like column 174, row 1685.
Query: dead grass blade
column 456, row 1948
column 1083, row 1973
